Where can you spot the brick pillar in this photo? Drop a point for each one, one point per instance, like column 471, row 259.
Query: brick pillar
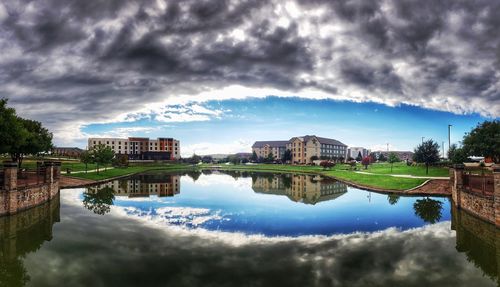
column 457, row 183
column 496, row 194
column 49, row 172
column 57, row 169
column 10, row 176
column 10, row 185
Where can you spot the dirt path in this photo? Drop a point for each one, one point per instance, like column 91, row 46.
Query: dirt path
column 432, row 187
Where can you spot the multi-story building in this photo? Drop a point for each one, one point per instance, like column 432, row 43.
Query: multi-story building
column 141, row 148
column 302, row 148
column 354, row 152
column 264, row 148
column 307, row 147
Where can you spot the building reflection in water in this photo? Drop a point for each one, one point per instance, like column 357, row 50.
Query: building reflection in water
column 142, row 185
column 22, row 234
column 308, row 189
column 479, row 240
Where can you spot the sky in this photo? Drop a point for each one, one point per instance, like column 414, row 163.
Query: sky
column 219, row 75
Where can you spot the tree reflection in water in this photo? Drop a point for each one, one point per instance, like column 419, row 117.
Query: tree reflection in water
column 428, row 209
column 99, row 201
column 393, row 198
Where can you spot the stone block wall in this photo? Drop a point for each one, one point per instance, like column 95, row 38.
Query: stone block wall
column 14, row 199
column 484, row 207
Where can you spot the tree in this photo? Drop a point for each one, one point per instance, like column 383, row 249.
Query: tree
column 382, row 157
column 373, row 157
column 12, row 131
column 103, row 155
column 207, row 159
column 366, row 161
column 314, row 157
column 270, row 157
column 456, row 154
column 428, row 209
column 121, row 160
column 287, row 156
column 86, row 158
column 195, row 159
column 38, row 139
column 359, row 157
column 327, row 164
column 100, row 201
column 484, row 140
column 393, row 198
column 428, row 153
column 254, row 157
column 393, row 157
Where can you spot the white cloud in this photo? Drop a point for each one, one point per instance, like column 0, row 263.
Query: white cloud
column 205, row 148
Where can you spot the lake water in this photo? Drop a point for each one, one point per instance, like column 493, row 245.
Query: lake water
column 244, row 229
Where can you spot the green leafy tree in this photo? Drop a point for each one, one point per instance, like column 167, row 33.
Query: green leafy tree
column 359, row 157
column 270, row 157
column 382, row 158
column 103, row 155
column 254, row 156
column 484, row 140
column 428, row 209
column 87, row 157
column 287, row 156
column 19, row 137
column 427, row 153
column 456, row 154
column 12, row 131
column 393, row 158
column 99, row 201
column 207, row 159
column 195, row 159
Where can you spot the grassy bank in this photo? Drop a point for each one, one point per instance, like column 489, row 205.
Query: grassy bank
column 379, row 179
column 341, row 172
column 115, row 172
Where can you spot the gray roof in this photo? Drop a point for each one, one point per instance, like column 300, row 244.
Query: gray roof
column 323, row 140
column 260, row 144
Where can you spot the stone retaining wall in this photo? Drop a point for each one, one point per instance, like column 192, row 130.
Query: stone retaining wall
column 14, row 198
column 486, row 207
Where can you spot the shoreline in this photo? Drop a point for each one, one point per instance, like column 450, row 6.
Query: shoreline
column 431, row 187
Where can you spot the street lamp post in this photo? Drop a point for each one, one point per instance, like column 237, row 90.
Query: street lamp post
column 449, row 137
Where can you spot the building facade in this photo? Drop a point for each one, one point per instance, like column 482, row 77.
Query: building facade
column 305, row 148
column 355, row 151
column 264, row 148
column 67, row 151
column 137, row 148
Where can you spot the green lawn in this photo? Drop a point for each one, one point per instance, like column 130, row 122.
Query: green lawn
column 110, row 173
column 342, row 172
column 72, row 165
column 402, row 168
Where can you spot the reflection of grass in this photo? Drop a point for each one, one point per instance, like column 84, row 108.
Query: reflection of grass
column 379, row 181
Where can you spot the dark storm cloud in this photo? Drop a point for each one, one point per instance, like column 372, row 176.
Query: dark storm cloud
column 80, row 56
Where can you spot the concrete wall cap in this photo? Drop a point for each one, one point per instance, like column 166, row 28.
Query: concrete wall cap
column 9, row 164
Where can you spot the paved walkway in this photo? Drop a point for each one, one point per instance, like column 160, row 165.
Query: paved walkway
column 90, row 170
column 68, row 182
column 405, row 175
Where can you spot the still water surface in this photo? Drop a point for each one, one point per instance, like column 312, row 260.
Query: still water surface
column 244, row 229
